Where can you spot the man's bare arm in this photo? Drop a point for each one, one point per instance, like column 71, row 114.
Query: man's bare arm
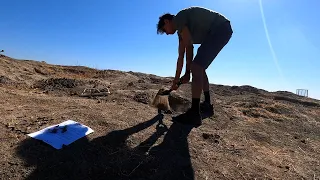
column 181, row 51
column 181, row 48
column 188, row 45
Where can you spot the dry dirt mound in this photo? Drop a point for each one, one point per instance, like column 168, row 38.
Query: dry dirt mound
column 56, row 83
column 109, row 74
column 297, row 101
column 69, row 86
column 237, row 90
column 142, row 97
column 246, row 89
column 179, row 103
column 150, row 78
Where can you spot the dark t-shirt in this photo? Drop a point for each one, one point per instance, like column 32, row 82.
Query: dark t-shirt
column 199, row 20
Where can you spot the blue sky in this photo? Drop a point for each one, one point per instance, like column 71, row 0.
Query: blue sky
column 275, row 45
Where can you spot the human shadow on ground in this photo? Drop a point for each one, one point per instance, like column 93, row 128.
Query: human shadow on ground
column 109, row 157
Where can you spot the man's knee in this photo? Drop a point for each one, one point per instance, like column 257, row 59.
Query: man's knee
column 203, row 60
column 196, row 69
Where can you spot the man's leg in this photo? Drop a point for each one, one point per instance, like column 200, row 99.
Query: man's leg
column 193, row 115
column 196, row 86
column 209, row 49
column 206, row 106
column 206, row 88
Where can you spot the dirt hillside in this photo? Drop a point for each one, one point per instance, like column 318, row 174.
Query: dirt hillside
column 254, row 134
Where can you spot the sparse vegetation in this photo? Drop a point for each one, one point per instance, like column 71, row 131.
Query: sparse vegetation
column 254, row 134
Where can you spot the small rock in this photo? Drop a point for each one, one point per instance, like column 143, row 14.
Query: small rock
column 216, row 171
column 206, row 135
column 39, row 71
column 278, row 120
column 303, row 141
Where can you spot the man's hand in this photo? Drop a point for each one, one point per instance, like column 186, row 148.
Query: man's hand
column 185, row 78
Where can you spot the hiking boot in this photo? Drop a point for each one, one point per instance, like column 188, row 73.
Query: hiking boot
column 190, row 117
column 206, row 108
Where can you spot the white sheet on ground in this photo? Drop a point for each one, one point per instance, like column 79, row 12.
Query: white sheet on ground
column 74, row 132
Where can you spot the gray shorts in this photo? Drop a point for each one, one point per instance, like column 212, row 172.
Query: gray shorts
column 212, row 45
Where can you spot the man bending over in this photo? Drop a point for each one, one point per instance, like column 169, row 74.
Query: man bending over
column 210, row 29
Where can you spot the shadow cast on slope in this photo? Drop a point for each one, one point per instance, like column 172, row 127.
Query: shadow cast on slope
column 108, row 157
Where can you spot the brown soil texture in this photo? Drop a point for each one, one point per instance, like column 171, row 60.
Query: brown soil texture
column 254, row 134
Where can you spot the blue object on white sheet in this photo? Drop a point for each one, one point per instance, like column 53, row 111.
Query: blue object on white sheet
column 56, row 136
